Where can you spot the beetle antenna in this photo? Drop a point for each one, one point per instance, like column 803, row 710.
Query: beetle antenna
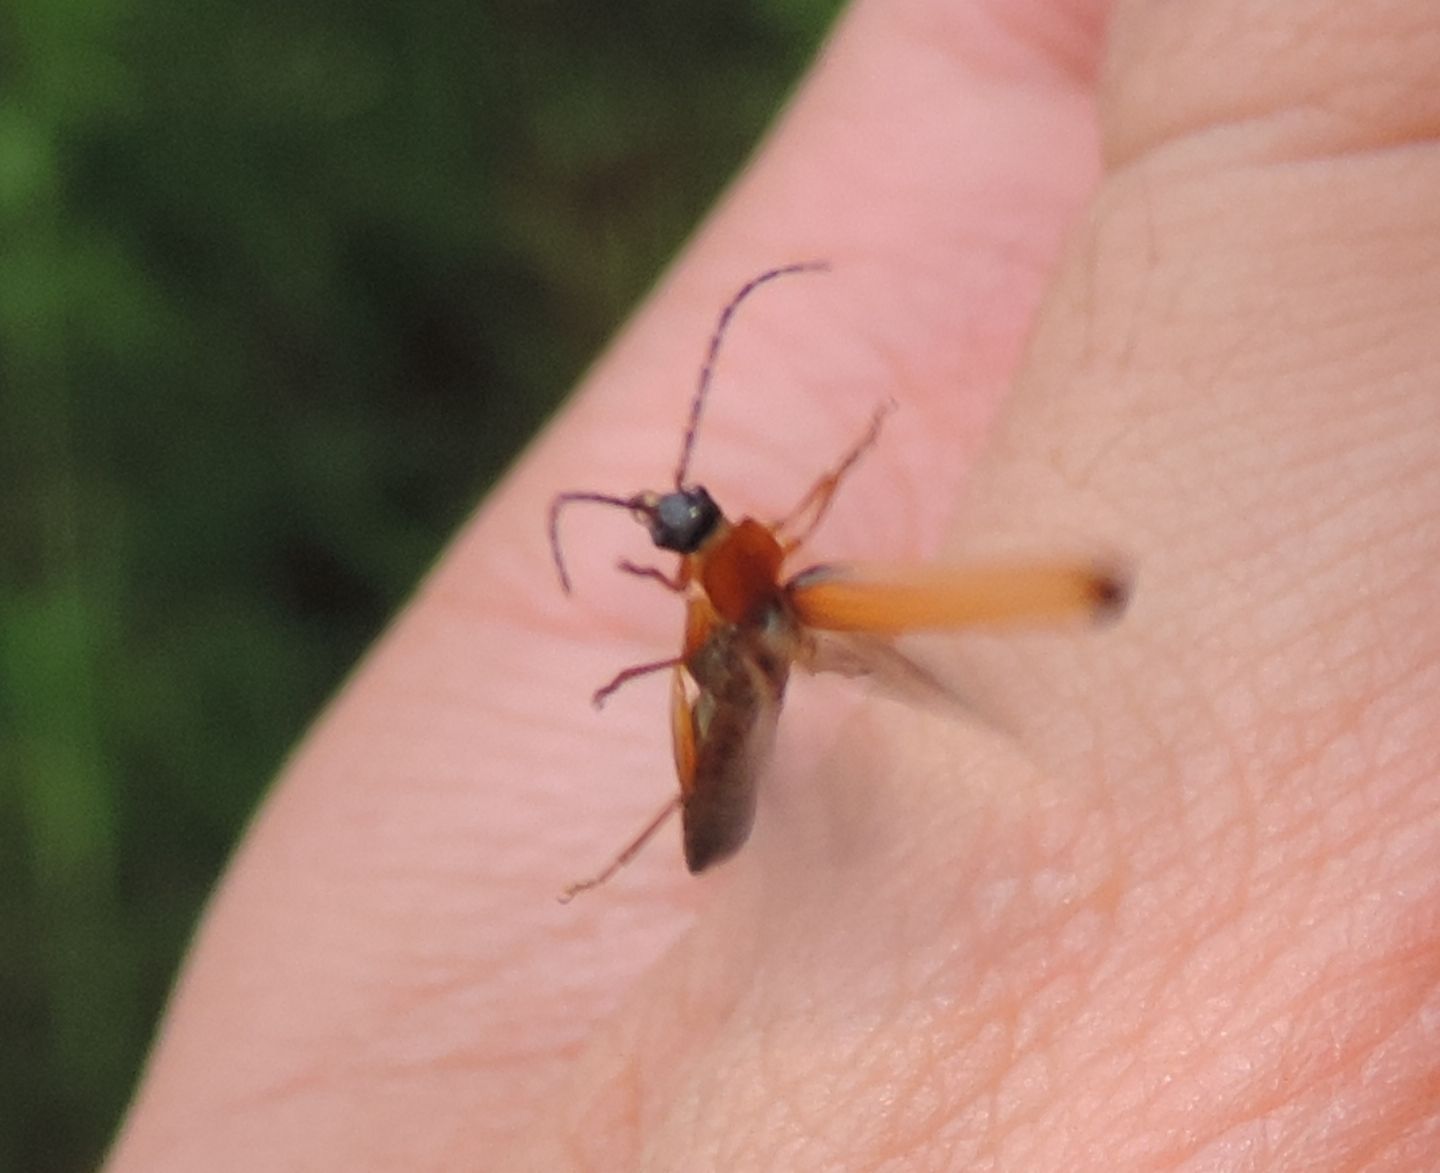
column 697, row 405
column 564, row 499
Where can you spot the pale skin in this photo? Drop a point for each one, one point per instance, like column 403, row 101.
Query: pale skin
column 1180, row 914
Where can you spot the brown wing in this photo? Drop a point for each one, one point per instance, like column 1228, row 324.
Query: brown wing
column 737, row 677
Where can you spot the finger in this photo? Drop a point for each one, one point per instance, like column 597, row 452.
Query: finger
column 386, row 953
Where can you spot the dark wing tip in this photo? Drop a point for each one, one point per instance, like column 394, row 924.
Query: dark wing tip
column 710, row 843
column 1111, row 589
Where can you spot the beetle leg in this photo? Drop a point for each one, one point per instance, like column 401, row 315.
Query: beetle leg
column 626, row 675
column 630, row 852
column 670, row 584
column 811, row 510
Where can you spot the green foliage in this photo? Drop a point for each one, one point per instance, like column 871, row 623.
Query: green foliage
column 282, row 288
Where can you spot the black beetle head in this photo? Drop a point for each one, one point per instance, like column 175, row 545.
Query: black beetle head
column 678, row 521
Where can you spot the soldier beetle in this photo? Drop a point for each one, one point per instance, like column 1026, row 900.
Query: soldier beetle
column 747, row 624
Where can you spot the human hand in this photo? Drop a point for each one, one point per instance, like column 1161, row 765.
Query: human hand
column 1184, row 917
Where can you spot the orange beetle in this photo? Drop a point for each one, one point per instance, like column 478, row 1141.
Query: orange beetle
column 746, row 625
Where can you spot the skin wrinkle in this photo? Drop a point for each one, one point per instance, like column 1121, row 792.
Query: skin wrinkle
column 614, row 1063
column 1194, row 763
column 969, row 1080
column 1034, row 1034
column 1421, row 1113
column 1320, row 333
column 1129, row 1090
column 1327, row 1080
column 1299, row 816
column 604, row 1128
column 784, row 1109
column 1027, row 1042
column 861, row 1074
column 919, row 1108
column 739, row 1132
column 1267, row 467
column 1161, row 1145
column 1284, row 1092
column 1017, row 36
column 1123, row 1089
column 1302, row 1059
column 1273, row 879
column 853, row 1059
column 1297, row 68
column 1142, row 308
column 1239, row 1025
column 1183, row 1036
column 374, row 1060
column 1409, row 1150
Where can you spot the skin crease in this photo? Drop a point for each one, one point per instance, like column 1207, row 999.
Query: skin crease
column 1182, row 913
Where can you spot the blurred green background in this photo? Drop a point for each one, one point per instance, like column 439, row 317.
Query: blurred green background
column 282, row 289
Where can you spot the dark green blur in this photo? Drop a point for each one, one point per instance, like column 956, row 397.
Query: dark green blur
column 283, row 287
